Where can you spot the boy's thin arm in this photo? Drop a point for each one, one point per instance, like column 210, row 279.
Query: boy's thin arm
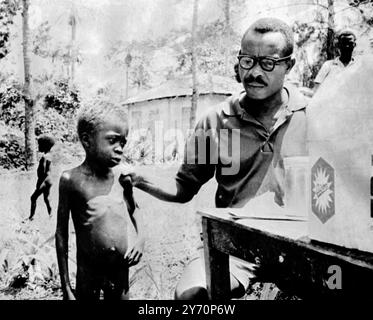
column 47, row 167
column 134, row 254
column 62, row 235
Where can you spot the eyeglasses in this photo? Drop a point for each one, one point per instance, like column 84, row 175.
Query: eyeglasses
column 266, row 63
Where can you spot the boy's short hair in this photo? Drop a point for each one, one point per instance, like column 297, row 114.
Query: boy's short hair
column 46, row 142
column 92, row 115
column 265, row 25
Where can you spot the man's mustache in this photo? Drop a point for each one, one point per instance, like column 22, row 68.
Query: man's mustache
column 255, row 80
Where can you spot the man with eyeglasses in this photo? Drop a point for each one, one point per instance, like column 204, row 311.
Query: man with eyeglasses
column 270, row 119
column 346, row 43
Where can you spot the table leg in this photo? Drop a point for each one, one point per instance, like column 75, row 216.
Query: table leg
column 217, row 266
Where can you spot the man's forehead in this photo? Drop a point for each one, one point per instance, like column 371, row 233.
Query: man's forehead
column 271, row 42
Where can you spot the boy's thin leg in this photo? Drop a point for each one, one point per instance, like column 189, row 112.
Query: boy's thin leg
column 116, row 283
column 34, row 198
column 116, row 294
column 87, row 284
column 46, row 200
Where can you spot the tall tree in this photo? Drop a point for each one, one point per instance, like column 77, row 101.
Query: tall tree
column 72, row 54
column 193, row 109
column 29, row 103
column 330, row 45
column 227, row 32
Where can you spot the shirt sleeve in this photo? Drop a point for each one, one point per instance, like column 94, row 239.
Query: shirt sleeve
column 198, row 167
column 323, row 73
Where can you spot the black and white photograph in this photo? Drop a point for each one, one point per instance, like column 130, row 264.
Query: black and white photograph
column 211, row 151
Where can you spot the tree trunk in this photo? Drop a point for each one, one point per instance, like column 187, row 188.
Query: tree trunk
column 29, row 103
column 227, row 32
column 193, row 109
column 72, row 23
column 330, row 46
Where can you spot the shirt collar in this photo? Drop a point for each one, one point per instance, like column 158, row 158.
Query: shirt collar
column 339, row 62
column 296, row 102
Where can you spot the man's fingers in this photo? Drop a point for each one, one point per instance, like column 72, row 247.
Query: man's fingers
column 137, row 257
column 128, row 253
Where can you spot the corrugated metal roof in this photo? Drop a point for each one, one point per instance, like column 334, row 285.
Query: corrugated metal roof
column 182, row 87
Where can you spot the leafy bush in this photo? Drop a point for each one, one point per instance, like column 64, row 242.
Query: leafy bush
column 12, row 110
column 8, row 9
column 52, row 122
column 12, row 147
column 63, row 98
column 29, row 260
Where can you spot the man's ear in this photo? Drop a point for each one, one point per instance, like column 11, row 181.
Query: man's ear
column 85, row 140
column 290, row 65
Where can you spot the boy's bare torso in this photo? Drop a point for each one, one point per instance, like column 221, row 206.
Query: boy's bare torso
column 99, row 213
column 44, row 168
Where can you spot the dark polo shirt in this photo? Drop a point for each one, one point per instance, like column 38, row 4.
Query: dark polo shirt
column 246, row 159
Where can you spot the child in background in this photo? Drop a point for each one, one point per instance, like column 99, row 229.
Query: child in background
column 44, row 182
column 100, row 200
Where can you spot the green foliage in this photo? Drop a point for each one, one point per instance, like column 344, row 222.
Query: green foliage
column 12, row 112
column 29, row 260
column 12, row 147
column 64, row 98
column 42, row 40
column 212, row 44
column 305, row 35
column 8, row 9
column 52, row 122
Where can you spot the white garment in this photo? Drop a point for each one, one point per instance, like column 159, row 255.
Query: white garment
column 330, row 67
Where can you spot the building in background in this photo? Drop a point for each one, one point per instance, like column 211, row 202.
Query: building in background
column 161, row 115
column 171, row 102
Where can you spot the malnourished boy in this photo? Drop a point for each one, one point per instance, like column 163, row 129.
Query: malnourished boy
column 100, row 201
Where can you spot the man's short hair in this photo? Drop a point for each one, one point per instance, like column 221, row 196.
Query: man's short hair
column 345, row 33
column 265, row 25
column 92, row 115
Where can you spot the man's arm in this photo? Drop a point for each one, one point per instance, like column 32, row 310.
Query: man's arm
column 196, row 170
column 62, row 236
column 166, row 189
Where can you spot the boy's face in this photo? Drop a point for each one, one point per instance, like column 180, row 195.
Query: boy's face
column 107, row 143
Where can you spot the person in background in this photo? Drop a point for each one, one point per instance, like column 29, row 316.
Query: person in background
column 346, row 43
column 44, row 182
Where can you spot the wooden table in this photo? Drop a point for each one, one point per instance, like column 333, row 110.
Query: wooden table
column 287, row 258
